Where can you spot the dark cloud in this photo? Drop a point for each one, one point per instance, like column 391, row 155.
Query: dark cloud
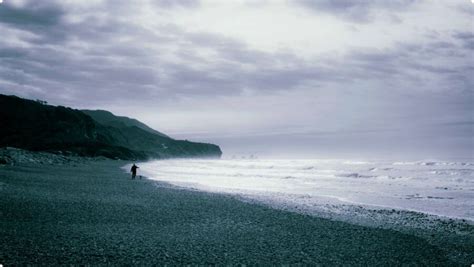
column 466, row 38
column 360, row 11
column 34, row 14
column 92, row 54
column 11, row 53
column 89, row 57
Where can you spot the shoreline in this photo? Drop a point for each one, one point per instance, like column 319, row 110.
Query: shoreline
column 412, row 222
column 434, row 189
column 92, row 213
column 266, row 200
column 405, row 221
column 336, row 209
column 335, row 202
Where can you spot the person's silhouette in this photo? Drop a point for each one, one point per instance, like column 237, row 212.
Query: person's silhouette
column 134, row 170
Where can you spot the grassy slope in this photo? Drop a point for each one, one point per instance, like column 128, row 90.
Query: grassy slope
column 107, row 118
column 30, row 125
column 93, row 213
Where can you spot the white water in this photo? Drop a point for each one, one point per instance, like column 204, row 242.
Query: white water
column 433, row 187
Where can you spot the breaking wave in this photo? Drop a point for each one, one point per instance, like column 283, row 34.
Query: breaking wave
column 435, row 187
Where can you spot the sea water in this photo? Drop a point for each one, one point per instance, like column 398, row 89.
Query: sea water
column 443, row 188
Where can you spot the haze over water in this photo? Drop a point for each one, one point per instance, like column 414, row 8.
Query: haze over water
column 435, row 187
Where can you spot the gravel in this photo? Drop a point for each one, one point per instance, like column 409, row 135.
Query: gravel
column 91, row 212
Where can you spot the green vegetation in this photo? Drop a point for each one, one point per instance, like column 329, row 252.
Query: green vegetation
column 36, row 126
column 105, row 117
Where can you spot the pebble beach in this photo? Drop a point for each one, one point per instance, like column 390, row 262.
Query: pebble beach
column 91, row 212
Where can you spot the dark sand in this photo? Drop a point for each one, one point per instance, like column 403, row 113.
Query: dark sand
column 92, row 213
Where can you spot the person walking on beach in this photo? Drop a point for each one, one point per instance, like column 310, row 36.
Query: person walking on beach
column 134, row 170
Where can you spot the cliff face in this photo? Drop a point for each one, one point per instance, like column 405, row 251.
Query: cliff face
column 36, row 126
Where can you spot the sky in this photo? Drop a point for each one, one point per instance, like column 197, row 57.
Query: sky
column 282, row 78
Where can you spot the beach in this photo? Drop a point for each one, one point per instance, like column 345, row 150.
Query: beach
column 91, row 212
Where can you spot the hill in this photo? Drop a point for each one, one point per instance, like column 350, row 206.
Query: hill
column 107, row 118
column 33, row 125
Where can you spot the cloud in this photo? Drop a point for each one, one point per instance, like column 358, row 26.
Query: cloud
column 466, row 38
column 177, row 62
column 33, row 15
column 137, row 60
column 107, row 51
column 359, row 11
column 177, row 3
column 465, row 7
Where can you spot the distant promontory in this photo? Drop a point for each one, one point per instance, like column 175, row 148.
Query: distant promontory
column 36, row 126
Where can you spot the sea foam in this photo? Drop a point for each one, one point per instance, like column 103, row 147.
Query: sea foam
column 432, row 187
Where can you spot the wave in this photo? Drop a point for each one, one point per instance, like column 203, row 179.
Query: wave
column 356, row 175
column 433, row 163
column 446, row 187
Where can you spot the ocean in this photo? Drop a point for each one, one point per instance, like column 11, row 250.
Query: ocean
column 444, row 188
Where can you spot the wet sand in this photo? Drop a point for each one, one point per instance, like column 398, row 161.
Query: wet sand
column 92, row 213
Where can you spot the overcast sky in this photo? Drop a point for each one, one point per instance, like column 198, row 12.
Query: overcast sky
column 272, row 78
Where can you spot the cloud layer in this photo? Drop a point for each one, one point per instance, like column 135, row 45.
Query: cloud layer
column 359, row 11
column 140, row 59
